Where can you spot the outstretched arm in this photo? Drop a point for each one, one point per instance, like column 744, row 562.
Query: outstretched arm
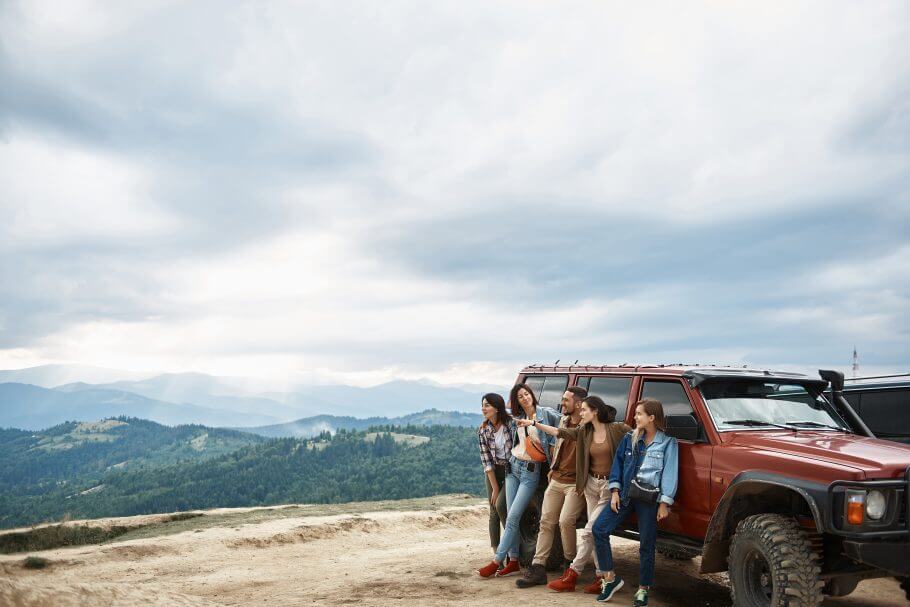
column 524, row 423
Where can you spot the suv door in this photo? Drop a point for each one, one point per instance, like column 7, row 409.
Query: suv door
column 691, row 513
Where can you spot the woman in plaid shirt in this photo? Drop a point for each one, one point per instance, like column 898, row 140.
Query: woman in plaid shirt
column 495, row 437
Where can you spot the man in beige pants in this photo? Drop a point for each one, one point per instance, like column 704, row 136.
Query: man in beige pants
column 561, row 502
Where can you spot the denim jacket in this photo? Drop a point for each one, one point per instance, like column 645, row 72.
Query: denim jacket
column 656, row 464
column 545, row 415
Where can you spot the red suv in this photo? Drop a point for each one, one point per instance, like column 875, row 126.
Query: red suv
column 780, row 484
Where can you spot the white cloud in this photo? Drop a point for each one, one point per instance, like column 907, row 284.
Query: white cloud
column 56, row 194
column 694, row 116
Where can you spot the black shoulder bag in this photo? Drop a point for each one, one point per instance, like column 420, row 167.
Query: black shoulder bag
column 640, row 491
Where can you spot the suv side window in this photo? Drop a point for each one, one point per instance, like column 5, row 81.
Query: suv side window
column 671, row 394
column 548, row 388
column 613, row 390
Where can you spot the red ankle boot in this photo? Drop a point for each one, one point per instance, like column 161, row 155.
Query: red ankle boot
column 595, row 586
column 566, row 583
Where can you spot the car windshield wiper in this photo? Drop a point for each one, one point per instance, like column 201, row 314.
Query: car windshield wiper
column 818, row 425
column 758, row 422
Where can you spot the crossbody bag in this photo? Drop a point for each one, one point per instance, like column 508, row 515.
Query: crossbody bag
column 641, row 491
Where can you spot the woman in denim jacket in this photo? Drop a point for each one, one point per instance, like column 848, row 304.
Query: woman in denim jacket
column 522, row 474
column 651, row 458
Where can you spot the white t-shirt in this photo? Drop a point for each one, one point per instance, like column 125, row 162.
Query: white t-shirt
column 499, row 441
column 518, row 451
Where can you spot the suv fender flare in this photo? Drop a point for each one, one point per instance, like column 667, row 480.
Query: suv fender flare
column 749, row 483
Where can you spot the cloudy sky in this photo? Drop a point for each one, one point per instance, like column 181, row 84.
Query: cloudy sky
column 363, row 191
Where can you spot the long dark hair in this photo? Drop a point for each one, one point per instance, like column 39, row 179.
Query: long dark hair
column 516, row 409
column 502, row 416
column 605, row 413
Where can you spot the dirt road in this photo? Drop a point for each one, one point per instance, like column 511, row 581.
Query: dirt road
column 301, row 556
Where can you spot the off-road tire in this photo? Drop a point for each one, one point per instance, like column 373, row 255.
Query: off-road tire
column 677, row 553
column 772, row 564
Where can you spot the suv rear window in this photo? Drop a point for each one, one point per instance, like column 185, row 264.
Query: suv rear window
column 614, row 391
column 548, row 389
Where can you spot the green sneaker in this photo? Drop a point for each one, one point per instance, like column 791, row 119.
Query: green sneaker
column 608, row 589
column 641, row 598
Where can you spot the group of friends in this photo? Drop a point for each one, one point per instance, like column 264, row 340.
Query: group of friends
column 595, row 463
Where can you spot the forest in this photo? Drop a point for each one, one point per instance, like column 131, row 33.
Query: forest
column 330, row 468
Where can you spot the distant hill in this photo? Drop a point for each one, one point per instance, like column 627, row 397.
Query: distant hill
column 34, row 408
column 196, row 389
column 312, row 426
column 73, row 457
column 388, row 463
column 385, row 400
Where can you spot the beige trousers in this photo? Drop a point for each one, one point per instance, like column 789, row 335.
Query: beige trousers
column 561, row 505
column 597, row 495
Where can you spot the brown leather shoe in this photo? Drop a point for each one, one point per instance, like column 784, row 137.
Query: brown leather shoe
column 535, row 575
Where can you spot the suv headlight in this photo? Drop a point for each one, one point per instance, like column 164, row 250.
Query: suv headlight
column 875, row 505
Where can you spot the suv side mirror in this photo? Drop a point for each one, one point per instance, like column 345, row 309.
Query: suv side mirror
column 684, row 427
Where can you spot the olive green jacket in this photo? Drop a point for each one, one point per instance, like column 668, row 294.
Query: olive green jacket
column 584, row 434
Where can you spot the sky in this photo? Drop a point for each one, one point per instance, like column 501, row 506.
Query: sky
column 365, row 191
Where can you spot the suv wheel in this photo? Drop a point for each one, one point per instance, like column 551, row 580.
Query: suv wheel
column 772, row 564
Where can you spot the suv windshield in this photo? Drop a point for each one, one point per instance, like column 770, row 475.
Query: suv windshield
column 739, row 405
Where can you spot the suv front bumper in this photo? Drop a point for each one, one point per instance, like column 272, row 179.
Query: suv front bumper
column 893, row 557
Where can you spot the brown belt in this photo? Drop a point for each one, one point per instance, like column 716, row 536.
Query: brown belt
column 602, row 477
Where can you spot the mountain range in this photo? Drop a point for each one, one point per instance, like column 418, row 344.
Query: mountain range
column 33, row 408
column 30, row 399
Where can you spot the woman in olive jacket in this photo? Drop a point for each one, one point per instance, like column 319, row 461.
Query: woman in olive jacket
column 597, row 437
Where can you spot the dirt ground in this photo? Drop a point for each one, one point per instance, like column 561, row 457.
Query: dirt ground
column 413, row 553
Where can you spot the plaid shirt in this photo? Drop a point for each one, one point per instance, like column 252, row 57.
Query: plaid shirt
column 485, row 435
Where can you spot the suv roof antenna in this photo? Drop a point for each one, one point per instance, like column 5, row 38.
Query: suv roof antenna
column 556, row 364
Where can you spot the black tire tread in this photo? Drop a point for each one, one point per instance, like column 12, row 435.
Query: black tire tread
column 789, row 553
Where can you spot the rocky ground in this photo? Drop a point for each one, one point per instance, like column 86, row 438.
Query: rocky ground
column 412, row 553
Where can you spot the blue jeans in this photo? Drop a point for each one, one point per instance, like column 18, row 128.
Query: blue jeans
column 608, row 521
column 521, row 484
